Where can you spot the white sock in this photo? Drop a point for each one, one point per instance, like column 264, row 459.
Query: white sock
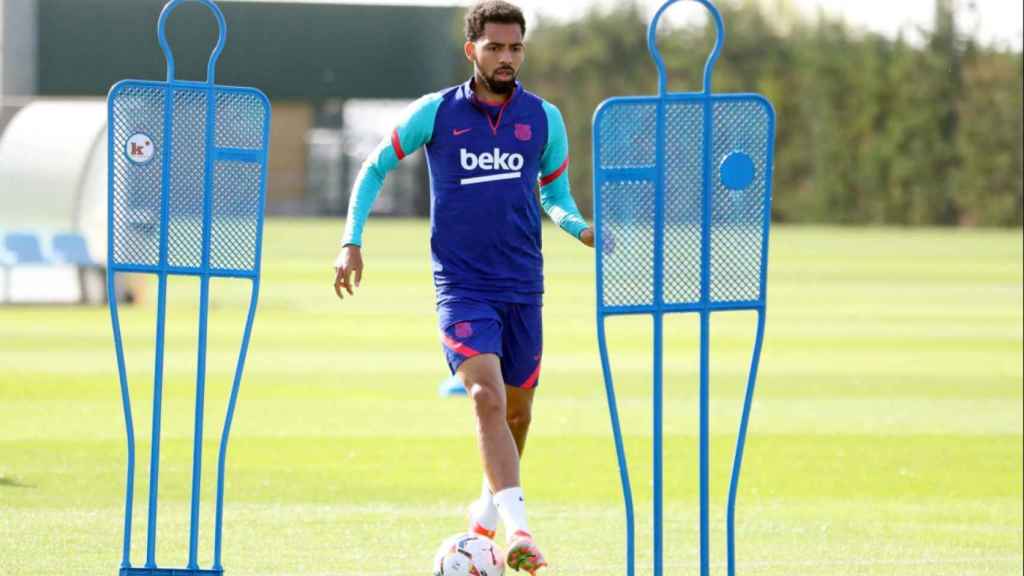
column 511, row 506
column 483, row 511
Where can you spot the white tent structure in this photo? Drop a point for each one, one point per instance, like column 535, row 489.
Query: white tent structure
column 53, row 178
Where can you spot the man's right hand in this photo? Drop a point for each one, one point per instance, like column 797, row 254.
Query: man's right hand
column 348, row 263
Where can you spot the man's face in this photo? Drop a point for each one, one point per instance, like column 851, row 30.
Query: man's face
column 497, row 56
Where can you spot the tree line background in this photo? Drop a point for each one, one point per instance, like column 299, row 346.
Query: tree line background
column 921, row 129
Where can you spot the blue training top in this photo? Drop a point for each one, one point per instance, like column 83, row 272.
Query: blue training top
column 485, row 162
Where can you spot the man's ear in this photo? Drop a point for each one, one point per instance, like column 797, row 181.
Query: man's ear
column 470, row 49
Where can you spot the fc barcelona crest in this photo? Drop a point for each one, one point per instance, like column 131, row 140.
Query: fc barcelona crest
column 524, row 132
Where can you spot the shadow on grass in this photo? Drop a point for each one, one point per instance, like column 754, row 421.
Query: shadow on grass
column 8, row 482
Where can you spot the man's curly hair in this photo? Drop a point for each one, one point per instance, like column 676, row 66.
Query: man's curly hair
column 486, row 11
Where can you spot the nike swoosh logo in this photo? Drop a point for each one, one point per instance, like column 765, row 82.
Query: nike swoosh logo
column 457, row 132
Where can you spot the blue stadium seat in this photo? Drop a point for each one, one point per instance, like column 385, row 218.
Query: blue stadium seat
column 6, row 263
column 25, row 248
column 71, row 248
column 6, row 259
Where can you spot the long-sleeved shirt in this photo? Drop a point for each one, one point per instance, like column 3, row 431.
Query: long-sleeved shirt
column 485, row 162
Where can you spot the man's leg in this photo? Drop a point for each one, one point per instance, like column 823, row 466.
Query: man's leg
column 481, row 376
column 522, row 554
column 483, row 514
column 471, row 335
column 522, row 347
column 519, row 414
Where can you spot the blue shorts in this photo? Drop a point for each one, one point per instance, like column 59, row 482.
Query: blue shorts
column 511, row 331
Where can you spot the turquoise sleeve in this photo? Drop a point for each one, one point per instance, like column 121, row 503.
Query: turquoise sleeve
column 413, row 131
column 555, row 196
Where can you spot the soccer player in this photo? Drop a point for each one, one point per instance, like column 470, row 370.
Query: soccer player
column 489, row 143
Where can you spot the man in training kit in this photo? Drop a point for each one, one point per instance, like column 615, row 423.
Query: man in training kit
column 488, row 143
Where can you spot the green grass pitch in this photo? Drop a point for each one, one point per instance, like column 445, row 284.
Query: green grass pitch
column 886, row 436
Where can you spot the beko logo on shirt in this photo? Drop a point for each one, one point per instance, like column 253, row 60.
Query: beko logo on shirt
column 496, row 160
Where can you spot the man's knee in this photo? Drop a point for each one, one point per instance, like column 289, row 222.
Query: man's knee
column 487, row 399
column 519, row 417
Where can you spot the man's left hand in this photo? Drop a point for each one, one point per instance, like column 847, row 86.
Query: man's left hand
column 587, row 237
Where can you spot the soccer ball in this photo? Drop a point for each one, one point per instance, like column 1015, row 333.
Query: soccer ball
column 469, row 555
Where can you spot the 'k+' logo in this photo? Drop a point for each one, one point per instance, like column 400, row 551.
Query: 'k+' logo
column 140, row 148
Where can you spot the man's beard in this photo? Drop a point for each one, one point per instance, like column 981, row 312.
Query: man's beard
column 499, row 86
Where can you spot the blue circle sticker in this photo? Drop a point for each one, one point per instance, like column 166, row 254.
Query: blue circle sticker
column 737, row 171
